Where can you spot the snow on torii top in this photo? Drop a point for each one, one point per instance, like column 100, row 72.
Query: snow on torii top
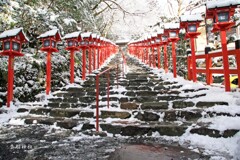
column 13, row 33
column 52, row 33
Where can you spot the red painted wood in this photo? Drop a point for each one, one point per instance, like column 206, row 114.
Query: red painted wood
column 72, row 66
column 189, row 66
column 48, row 72
column 208, row 66
column 10, row 79
column 90, row 60
column 94, row 58
column 165, row 58
column 83, row 64
column 194, row 74
column 225, row 60
column 159, row 57
column 174, row 61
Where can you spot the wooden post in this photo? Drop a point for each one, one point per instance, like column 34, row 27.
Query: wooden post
column 84, row 64
column 71, row 66
column 90, row 60
column 225, row 61
column 193, row 60
column 159, row 57
column 10, row 79
column 174, row 61
column 48, row 78
column 165, row 58
column 189, row 66
column 208, row 72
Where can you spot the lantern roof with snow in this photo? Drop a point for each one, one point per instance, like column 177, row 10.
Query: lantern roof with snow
column 191, row 18
column 101, row 38
column 154, row 35
column 171, row 26
column 86, row 35
column 76, row 35
column 149, row 36
column 227, row 6
column 52, row 33
column 222, row 3
column 14, row 32
column 160, row 31
column 94, row 35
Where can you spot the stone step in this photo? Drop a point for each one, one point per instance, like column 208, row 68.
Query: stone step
column 112, row 104
column 129, row 105
column 204, row 104
column 102, row 83
column 154, row 105
column 140, row 74
column 115, row 114
column 151, row 85
column 214, row 114
column 213, row 132
column 62, row 113
column 111, row 98
column 139, row 92
column 139, row 129
column 182, row 104
column 68, row 113
column 78, row 95
column 168, row 115
column 21, row 110
column 66, row 105
column 194, row 90
column 133, row 83
column 78, row 89
column 143, row 99
column 60, row 122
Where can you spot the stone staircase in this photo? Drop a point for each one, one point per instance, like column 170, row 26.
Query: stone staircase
column 143, row 104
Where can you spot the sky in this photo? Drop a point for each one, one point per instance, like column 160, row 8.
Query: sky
column 139, row 23
column 149, row 13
